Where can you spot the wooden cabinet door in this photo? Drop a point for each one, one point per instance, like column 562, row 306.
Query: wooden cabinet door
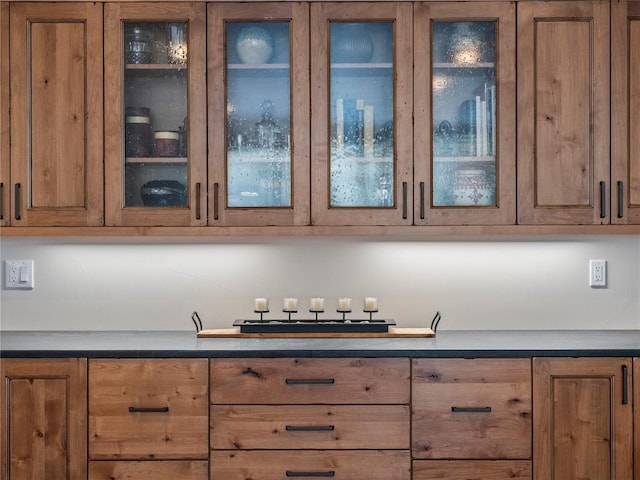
column 365, row 178
column 582, row 416
column 625, row 111
column 5, row 215
column 43, row 419
column 444, row 86
column 563, row 112
column 149, row 470
column 636, row 419
column 56, row 114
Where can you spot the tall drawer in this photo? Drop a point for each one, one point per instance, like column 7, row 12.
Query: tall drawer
column 148, row 408
column 468, row 469
column 310, row 381
column 310, row 427
column 145, row 470
column 339, row 465
column 471, row 408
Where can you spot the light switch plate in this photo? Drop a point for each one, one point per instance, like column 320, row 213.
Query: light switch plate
column 18, row 274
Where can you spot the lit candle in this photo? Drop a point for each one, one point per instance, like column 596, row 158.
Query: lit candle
column 370, row 304
column 317, row 304
column 344, row 304
column 262, row 305
column 290, row 304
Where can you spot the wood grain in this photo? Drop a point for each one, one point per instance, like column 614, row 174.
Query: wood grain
column 636, row 419
column 5, row 213
column 158, row 470
column 472, row 470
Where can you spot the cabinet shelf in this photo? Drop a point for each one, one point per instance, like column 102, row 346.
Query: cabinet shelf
column 141, row 160
column 478, row 159
column 464, row 66
column 360, row 66
column 258, row 66
column 156, row 66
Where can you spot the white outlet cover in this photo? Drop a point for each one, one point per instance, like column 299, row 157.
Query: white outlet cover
column 18, row 274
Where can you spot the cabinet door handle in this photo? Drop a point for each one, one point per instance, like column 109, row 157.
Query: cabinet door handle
column 198, row 187
column 215, row 201
column 148, row 409
column 309, row 381
column 292, row 473
column 421, row 200
column 625, row 385
column 309, row 428
column 603, row 200
column 17, row 202
column 620, row 199
column 404, row 199
column 1, row 201
column 471, row 409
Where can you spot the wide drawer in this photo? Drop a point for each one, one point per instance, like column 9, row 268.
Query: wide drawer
column 472, row 469
column 310, row 427
column 148, row 470
column 471, row 408
column 339, row 465
column 148, row 408
column 310, row 380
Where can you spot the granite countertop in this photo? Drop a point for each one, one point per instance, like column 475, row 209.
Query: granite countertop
column 447, row 343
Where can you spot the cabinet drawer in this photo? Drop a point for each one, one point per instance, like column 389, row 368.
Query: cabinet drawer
column 339, row 465
column 472, row 469
column 310, row 426
column 147, row 470
column 471, row 408
column 325, row 380
column 152, row 408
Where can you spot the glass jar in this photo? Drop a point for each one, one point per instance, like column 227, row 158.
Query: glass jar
column 137, row 45
column 137, row 132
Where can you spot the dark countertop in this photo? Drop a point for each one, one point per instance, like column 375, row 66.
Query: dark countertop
column 447, row 343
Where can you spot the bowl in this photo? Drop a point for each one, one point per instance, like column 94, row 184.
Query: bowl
column 164, row 193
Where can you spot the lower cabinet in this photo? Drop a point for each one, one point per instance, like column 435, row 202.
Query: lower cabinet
column 472, row 469
column 43, row 421
column 583, row 418
column 636, row 419
column 159, row 470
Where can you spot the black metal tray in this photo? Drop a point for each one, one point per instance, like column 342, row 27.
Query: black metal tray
column 313, row 326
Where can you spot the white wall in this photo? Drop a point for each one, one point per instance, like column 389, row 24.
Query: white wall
column 117, row 284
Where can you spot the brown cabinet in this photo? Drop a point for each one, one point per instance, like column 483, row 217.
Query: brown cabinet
column 467, row 469
column 583, row 425
column 300, row 417
column 56, row 114
column 43, row 419
column 5, row 214
column 142, row 470
column 625, row 111
column 636, row 415
column 563, row 113
column 148, row 409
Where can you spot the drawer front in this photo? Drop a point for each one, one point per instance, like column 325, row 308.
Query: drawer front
column 151, row 408
column 146, row 470
column 471, row 408
column 472, row 470
column 310, row 380
column 338, row 465
column 309, row 426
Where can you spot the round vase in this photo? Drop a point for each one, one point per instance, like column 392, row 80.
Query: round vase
column 352, row 44
column 471, row 188
column 254, row 45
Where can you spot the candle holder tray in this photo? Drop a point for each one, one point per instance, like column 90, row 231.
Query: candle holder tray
column 314, row 326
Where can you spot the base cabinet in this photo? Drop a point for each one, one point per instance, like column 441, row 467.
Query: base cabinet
column 582, row 418
column 636, row 419
column 43, row 419
column 161, row 470
column 472, row 469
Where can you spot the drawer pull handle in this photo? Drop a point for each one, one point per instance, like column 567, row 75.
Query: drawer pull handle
column 291, row 473
column 1, row 201
column 603, row 200
column 620, row 199
column 471, row 409
column 148, row 409
column 309, row 381
column 309, row 428
column 405, row 195
column 17, row 202
column 625, row 385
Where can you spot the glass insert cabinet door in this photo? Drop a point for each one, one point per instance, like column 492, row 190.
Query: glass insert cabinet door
column 465, row 126
column 155, row 155
column 361, row 146
column 259, row 96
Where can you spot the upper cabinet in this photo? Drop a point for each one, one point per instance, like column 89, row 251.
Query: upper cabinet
column 464, row 101
column 4, row 116
column 56, row 118
column 563, row 112
column 625, row 110
column 155, row 117
column 361, row 123
column 258, row 98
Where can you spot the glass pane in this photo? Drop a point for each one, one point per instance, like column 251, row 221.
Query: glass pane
column 464, row 113
column 258, row 114
column 362, row 139
column 155, row 114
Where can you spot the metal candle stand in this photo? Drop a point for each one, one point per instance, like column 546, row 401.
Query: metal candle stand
column 316, row 312
column 370, row 312
column 289, row 312
column 261, row 312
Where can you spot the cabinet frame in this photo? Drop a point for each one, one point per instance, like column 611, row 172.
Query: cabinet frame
column 5, row 203
column 504, row 212
column 195, row 212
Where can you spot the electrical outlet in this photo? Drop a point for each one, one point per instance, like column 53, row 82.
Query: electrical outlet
column 18, row 274
column 597, row 273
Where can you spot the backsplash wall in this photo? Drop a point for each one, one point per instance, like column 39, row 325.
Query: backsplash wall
column 120, row 284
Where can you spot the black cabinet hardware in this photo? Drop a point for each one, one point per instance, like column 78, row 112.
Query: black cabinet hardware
column 309, row 381
column 471, row 409
column 310, row 428
column 603, row 200
column 620, row 199
column 148, row 409
column 291, row 473
column 625, row 385
column 17, row 202
column 404, row 200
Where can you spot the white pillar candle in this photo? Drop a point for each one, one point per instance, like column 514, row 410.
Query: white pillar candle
column 290, row 304
column 317, row 304
column 262, row 305
column 370, row 304
column 344, row 304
